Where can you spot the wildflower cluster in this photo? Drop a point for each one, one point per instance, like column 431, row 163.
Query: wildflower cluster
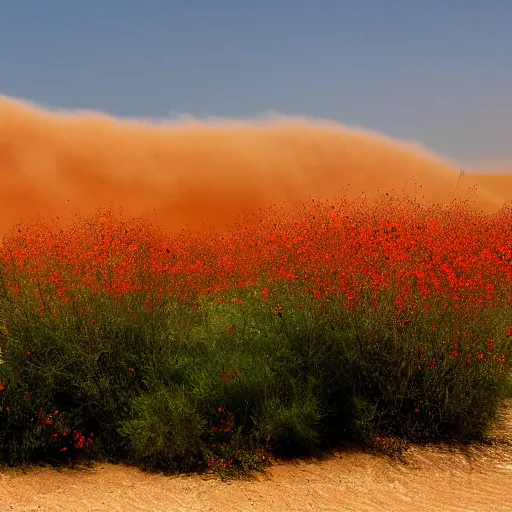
column 344, row 319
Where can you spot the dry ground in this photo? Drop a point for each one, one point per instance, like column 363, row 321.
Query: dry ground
column 444, row 479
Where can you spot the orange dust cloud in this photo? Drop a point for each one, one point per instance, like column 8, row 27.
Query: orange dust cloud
column 193, row 172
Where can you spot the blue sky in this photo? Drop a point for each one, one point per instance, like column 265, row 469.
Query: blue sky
column 437, row 71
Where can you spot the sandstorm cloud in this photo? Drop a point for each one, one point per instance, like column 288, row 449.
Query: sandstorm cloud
column 191, row 172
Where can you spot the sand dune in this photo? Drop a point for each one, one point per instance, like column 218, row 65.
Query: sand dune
column 53, row 164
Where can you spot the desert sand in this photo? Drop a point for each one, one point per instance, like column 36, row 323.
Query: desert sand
column 441, row 479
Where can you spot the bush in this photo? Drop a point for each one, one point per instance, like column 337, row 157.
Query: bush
column 218, row 357
column 165, row 431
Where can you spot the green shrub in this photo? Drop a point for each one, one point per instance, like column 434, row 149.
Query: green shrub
column 211, row 383
column 165, row 431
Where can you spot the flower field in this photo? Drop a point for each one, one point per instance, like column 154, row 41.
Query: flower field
column 286, row 333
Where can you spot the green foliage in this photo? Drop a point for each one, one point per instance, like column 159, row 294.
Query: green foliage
column 165, row 431
column 222, row 384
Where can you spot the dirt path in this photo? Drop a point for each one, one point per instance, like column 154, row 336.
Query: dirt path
column 431, row 479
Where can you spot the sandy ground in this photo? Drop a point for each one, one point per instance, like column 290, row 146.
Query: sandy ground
column 476, row 479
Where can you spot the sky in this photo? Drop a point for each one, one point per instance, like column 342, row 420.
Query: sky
column 438, row 72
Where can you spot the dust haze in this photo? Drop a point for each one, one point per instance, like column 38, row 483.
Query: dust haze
column 194, row 173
